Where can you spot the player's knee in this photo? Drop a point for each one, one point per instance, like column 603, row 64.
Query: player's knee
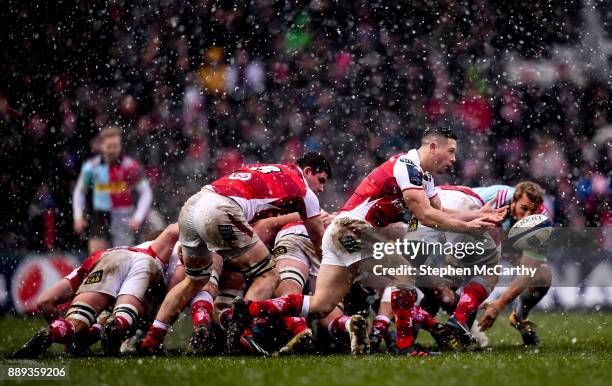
column 321, row 307
column 293, row 276
column 81, row 313
column 544, row 275
column 198, row 270
column 263, row 268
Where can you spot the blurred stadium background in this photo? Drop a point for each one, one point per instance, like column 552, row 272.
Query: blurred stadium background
column 203, row 86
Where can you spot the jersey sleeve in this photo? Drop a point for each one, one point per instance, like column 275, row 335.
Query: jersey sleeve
column 408, row 175
column 135, row 171
column 80, row 190
column 311, row 204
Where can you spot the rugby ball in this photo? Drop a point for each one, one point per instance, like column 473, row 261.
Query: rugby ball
column 530, row 232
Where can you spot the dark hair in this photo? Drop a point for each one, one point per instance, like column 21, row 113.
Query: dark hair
column 316, row 161
column 443, row 132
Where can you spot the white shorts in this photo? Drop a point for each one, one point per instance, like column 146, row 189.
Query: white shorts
column 124, row 272
column 297, row 247
column 211, row 222
column 342, row 244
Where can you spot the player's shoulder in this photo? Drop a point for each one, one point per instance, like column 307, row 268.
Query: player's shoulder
column 92, row 162
column 128, row 162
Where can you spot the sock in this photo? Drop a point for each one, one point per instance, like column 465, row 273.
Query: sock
column 528, row 299
column 124, row 325
column 430, row 305
column 92, row 335
column 155, row 337
column 225, row 317
column 381, row 324
column 201, row 312
column 473, row 294
column 402, row 304
column 284, row 305
column 295, row 324
column 449, row 307
column 423, row 318
column 339, row 326
column 62, row 331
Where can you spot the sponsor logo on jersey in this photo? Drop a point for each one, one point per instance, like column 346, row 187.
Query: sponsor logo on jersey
column 227, row 232
column 413, row 224
column 350, row 244
column 281, row 250
column 94, row 277
column 414, row 174
column 113, row 187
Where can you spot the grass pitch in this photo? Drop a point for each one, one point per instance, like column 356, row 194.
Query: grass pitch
column 576, row 350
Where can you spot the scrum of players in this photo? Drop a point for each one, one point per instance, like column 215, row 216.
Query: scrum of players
column 265, row 271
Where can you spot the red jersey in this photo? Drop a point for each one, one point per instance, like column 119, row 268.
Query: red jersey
column 266, row 190
column 79, row 274
column 378, row 198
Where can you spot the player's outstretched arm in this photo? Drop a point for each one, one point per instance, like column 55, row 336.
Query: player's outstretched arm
column 164, row 243
column 419, row 205
column 517, row 286
column 487, row 211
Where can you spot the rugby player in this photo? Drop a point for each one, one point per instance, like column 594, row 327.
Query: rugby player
column 128, row 277
column 401, row 189
column 112, row 178
column 217, row 220
column 525, row 199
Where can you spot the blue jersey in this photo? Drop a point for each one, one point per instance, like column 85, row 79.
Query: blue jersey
column 500, row 194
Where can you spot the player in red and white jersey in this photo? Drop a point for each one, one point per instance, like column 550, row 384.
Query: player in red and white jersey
column 217, row 219
column 129, row 277
column 401, row 189
column 267, row 190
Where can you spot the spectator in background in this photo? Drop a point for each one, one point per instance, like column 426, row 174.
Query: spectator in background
column 214, row 71
column 112, row 176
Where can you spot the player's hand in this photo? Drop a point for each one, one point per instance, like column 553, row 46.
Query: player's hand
column 479, row 226
column 492, row 311
column 134, row 225
column 493, row 215
column 79, row 225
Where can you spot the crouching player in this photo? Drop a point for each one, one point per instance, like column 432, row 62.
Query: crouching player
column 217, row 220
column 125, row 276
column 475, row 288
column 524, row 200
column 401, row 189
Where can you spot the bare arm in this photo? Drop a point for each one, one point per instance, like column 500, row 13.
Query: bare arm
column 518, row 285
column 164, row 243
column 267, row 228
column 420, row 206
column 492, row 215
